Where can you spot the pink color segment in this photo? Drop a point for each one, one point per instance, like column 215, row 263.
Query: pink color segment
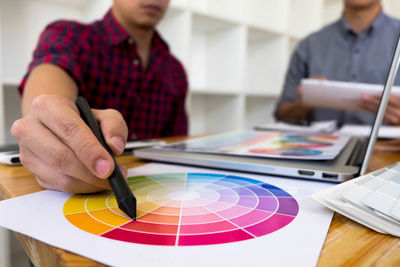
column 253, row 217
column 215, row 238
column 270, row 225
column 233, row 212
column 206, row 218
column 205, row 228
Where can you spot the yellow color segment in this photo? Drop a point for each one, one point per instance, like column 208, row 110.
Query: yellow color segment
column 107, row 216
column 98, row 201
column 141, row 199
column 75, row 204
column 147, row 206
column 144, row 191
column 87, row 223
column 112, row 202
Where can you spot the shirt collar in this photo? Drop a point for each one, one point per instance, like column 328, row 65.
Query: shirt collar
column 117, row 35
column 376, row 24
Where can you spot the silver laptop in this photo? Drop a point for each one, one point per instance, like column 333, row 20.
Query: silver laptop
column 352, row 161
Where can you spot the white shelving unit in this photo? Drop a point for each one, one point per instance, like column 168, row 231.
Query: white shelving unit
column 235, row 51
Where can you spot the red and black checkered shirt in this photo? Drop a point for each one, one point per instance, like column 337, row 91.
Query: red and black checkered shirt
column 102, row 59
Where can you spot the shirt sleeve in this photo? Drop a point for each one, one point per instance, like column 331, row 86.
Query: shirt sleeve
column 58, row 45
column 178, row 123
column 298, row 69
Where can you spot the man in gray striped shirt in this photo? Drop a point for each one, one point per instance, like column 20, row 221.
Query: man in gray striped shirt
column 356, row 48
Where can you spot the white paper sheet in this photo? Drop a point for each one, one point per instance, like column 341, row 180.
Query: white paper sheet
column 337, row 94
column 314, row 127
column 40, row 215
column 385, row 131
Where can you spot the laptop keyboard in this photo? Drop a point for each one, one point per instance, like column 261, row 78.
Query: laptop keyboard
column 378, row 192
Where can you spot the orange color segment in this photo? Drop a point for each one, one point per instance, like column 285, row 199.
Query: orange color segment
column 85, row 222
column 109, row 217
column 168, row 211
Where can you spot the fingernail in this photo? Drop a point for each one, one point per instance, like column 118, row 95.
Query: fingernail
column 102, row 167
column 118, row 143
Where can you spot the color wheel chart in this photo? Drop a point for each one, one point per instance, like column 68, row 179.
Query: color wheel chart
column 297, row 145
column 186, row 209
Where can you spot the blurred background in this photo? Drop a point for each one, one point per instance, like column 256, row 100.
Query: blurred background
column 235, row 52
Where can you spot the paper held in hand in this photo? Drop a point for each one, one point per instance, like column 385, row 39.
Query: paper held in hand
column 338, row 95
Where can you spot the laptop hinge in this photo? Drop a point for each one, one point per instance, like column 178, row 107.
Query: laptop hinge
column 357, row 157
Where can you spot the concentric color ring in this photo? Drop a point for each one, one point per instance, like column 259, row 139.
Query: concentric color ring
column 186, row 209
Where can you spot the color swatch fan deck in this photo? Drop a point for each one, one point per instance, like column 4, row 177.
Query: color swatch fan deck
column 186, row 209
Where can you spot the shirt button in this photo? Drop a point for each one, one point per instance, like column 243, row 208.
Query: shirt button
column 138, row 100
column 136, row 62
column 131, row 41
column 133, row 137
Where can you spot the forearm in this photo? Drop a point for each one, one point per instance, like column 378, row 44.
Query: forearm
column 292, row 111
column 48, row 79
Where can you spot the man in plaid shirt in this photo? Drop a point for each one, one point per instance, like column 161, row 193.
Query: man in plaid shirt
column 124, row 69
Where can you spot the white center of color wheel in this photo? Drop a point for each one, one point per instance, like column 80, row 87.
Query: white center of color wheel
column 183, row 195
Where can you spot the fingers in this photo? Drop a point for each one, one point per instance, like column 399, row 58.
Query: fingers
column 319, row 78
column 392, row 114
column 50, row 178
column 61, row 150
column 62, row 118
column 371, row 103
column 114, row 129
column 51, row 152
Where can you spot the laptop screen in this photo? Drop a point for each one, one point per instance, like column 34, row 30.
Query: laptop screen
column 393, row 70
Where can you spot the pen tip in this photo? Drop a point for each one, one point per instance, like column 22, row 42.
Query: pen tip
column 129, row 207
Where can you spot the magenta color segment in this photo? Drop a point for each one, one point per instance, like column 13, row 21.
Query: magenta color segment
column 205, row 218
column 288, row 206
column 140, row 238
column 233, row 212
column 270, row 225
column 253, row 217
column 267, row 203
column 247, row 201
column 205, row 228
column 215, row 238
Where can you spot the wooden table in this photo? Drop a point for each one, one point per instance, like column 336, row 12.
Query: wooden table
column 347, row 244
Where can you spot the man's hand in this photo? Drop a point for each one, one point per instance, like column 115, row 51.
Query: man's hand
column 61, row 151
column 392, row 114
column 295, row 111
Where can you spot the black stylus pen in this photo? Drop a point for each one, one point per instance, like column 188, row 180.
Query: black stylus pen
column 125, row 198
